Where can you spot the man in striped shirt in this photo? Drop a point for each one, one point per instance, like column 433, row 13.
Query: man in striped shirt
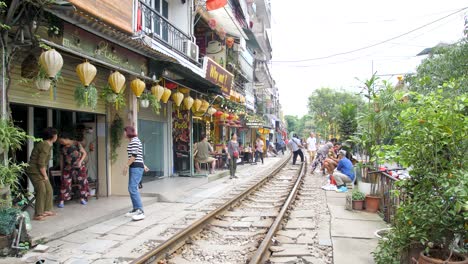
column 135, row 167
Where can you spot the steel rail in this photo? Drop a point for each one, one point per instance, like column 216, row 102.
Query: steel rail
column 261, row 253
column 178, row 240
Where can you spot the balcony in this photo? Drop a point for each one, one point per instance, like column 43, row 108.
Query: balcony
column 158, row 27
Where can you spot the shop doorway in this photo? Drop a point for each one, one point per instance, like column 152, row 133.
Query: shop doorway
column 88, row 128
column 152, row 135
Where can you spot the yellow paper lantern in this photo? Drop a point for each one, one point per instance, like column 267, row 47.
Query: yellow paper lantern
column 138, row 86
column 51, row 61
column 184, row 90
column 157, row 91
column 188, row 102
column 225, row 115
column 196, row 105
column 204, row 106
column 211, row 111
column 116, row 81
column 177, row 97
column 86, row 72
column 166, row 95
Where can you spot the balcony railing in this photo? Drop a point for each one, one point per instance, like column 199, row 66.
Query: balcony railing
column 159, row 28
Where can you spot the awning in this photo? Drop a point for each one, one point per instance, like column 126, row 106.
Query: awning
column 225, row 16
column 252, row 40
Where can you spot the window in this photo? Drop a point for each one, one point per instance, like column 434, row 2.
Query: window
column 154, row 21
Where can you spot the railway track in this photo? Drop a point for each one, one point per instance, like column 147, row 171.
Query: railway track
column 245, row 228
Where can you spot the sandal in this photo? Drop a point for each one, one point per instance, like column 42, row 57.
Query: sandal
column 48, row 213
column 39, row 218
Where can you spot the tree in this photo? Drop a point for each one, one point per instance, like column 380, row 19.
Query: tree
column 347, row 121
column 445, row 64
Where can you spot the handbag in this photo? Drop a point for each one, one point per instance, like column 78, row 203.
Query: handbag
column 235, row 154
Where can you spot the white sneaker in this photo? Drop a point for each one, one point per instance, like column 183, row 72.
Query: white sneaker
column 131, row 213
column 140, row 215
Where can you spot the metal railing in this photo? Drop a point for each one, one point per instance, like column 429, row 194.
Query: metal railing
column 158, row 27
column 383, row 185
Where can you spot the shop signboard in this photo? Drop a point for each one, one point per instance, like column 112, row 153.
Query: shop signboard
column 218, row 75
column 254, row 124
column 86, row 43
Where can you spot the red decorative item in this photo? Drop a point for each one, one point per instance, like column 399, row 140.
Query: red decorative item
column 171, row 85
column 230, row 117
column 251, row 24
column 218, row 113
column 212, row 23
column 215, row 4
column 230, row 42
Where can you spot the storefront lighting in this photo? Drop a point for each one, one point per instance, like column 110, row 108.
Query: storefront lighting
column 116, row 81
column 137, row 86
column 196, row 105
column 188, row 102
column 86, row 72
column 157, row 91
column 166, row 95
column 177, row 97
column 51, row 61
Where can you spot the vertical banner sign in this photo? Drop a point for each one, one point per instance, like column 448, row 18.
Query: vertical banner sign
column 181, row 138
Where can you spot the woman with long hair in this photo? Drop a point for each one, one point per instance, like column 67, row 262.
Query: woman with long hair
column 134, row 168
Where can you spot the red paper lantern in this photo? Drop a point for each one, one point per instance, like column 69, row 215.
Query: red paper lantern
column 218, row 113
column 171, row 85
column 230, row 42
column 230, row 117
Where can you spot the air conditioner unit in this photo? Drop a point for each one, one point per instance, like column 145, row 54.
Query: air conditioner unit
column 191, row 50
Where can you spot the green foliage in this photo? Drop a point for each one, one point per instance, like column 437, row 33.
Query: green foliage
column 8, row 218
column 347, row 121
column 357, row 195
column 433, row 142
column 86, row 96
column 10, row 173
column 325, row 105
column 116, row 132
column 117, row 100
column 445, row 64
column 11, row 137
column 155, row 105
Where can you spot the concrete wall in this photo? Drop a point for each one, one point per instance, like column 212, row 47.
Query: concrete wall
column 180, row 15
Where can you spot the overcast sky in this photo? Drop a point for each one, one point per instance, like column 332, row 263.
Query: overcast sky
column 306, row 29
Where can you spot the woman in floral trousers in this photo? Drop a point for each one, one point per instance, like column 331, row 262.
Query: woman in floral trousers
column 73, row 169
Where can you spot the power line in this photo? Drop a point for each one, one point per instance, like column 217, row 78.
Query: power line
column 375, row 44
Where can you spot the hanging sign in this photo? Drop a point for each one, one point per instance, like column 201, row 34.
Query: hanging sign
column 218, row 75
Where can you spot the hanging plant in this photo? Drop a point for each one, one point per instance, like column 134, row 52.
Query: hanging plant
column 42, row 81
column 152, row 101
column 86, row 96
column 144, row 101
column 116, row 99
column 116, row 131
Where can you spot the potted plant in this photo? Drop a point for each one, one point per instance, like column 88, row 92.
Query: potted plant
column 86, row 96
column 144, row 100
column 430, row 222
column 358, row 199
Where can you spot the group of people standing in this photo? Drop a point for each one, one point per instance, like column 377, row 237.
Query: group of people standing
column 73, row 171
column 73, row 167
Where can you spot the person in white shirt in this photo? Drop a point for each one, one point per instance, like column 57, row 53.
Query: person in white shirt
column 311, row 146
column 296, row 147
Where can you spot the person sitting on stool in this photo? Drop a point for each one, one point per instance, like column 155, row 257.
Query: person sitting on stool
column 203, row 154
column 344, row 172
